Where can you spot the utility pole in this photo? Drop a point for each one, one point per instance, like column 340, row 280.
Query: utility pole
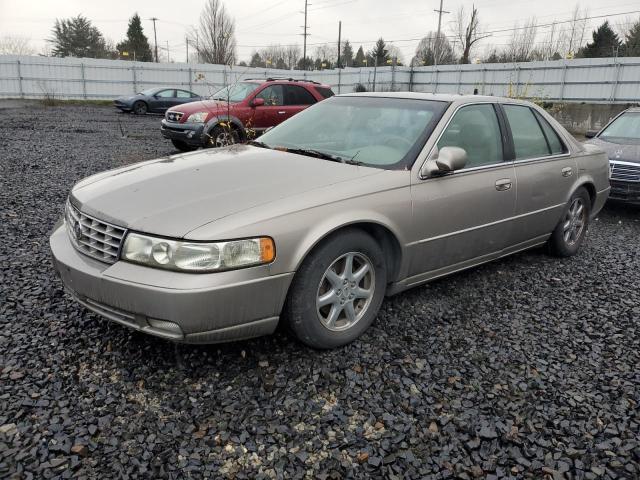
column 305, row 35
column 437, row 42
column 155, row 36
column 186, row 39
column 339, row 62
column 168, row 56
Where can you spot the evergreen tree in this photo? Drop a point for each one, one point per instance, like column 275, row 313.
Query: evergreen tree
column 77, row 37
column 136, row 44
column 347, row 55
column 605, row 43
column 359, row 60
column 632, row 41
column 256, row 60
column 380, row 54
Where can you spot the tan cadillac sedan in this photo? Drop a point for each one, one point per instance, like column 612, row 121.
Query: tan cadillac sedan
column 358, row 197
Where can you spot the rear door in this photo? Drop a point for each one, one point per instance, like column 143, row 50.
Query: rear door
column 296, row 99
column 544, row 170
column 273, row 111
column 466, row 216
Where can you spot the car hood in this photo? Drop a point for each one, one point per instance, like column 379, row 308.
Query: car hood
column 202, row 105
column 130, row 98
column 172, row 196
column 618, row 151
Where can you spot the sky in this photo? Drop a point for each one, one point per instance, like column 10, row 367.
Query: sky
column 263, row 22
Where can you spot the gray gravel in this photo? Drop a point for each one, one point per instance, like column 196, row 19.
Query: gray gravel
column 524, row 368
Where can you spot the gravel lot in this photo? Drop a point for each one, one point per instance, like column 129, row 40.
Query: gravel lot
column 524, row 368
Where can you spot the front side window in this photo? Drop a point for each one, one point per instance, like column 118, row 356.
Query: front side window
column 380, row 132
column 272, row 95
column 475, row 128
column 528, row 138
column 624, row 129
column 166, row 94
column 295, row 95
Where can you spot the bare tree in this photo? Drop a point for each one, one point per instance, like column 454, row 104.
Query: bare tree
column 425, row 52
column 396, row 54
column 215, row 34
column 292, row 53
column 576, row 31
column 522, row 44
column 15, row 46
column 468, row 31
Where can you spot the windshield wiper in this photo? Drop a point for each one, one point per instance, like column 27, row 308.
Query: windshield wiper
column 257, row 143
column 322, row 155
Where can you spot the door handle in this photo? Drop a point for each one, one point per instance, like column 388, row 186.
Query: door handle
column 281, row 113
column 503, row 184
column 567, row 171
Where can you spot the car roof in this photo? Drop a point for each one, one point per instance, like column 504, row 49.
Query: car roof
column 632, row 109
column 293, row 81
column 441, row 97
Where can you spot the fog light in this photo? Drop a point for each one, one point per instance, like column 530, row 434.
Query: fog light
column 165, row 325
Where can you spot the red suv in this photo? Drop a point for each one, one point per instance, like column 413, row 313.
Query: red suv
column 239, row 112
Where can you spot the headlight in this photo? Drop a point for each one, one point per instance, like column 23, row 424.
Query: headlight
column 198, row 117
column 197, row 257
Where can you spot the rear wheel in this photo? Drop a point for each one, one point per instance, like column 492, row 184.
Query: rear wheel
column 140, row 107
column 338, row 290
column 570, row 233
column 220, row 136
column 183, row 146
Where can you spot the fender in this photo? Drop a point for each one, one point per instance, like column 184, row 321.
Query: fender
column 216, row 119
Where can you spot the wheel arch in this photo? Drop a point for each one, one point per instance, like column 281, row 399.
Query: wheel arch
column 381, row 233
column 218, row 119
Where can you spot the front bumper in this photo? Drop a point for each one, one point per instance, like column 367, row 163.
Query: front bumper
column 125, row 107
column 188, row 308
column 190, row 133
column 628, row 192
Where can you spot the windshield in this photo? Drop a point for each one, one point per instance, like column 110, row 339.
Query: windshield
column 235, row 93
column 624, row 129
column 374, row 131
column 148, row 91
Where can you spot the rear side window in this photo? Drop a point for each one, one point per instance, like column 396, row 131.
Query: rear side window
column 325, row 92
column 528, row 139
column 183, row 94
column 295, row 95
column 555, row 144
column 476, row 129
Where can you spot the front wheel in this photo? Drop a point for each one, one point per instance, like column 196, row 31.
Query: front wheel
column 183, row 146
column 338, row 290
column 220, row 136
column 570, row 233
column 140, row 108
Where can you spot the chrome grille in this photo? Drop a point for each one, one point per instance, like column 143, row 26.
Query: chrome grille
column 625, row 171
column 173, row 116
column 93, row 237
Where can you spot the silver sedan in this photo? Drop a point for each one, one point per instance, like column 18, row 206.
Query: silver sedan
column 357, row 197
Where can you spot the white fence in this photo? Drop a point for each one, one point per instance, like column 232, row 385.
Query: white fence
column 602, row 80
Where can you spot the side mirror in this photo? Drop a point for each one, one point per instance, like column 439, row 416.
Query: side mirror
column 591, row 133
column 257, row 102
column 447, row 160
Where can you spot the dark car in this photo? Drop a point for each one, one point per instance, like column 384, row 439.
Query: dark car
column 620, row 138
column 156, row 100
column 240, row 111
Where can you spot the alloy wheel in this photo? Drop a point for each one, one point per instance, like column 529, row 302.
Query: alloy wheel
column 574, row 222
column 223, row 139
column 345, row 291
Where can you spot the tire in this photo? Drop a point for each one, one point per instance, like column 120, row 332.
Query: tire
column 318, row 326
column 183, row 146
column 140, row 107
column 220, row 136
column 571, row 231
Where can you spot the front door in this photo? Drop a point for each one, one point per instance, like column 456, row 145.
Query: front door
column 163, row 100
column 465, row 217
column 273, row 111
